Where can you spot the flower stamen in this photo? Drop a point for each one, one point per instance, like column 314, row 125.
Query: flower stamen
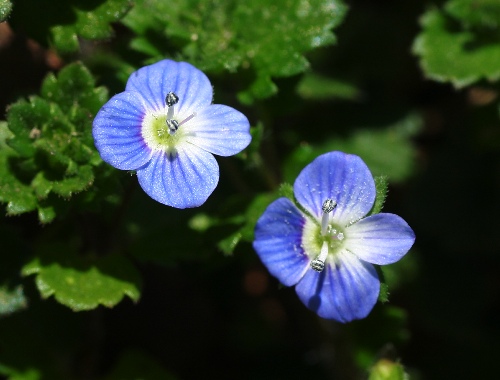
column 170, row 100
column 187, row 118
column 328, row 206
column 318, row 264
column 172, row 125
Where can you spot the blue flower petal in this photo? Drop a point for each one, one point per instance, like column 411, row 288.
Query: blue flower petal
column 380, row 239
column 219, row 129
column 343, row 292
column 345, row 178
column 278, row 237
column 117, row 132
column 155, row 81
column 183, row 180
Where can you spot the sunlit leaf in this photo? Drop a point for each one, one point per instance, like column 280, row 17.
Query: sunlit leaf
column 48, row 143
column 83, row 283
column 238, row 36
column 59, row 23
column 451, row 52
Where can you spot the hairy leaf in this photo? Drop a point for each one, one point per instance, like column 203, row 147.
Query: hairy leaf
column 83, row 282
column 451, row 51
column 59, row 23
column 262, row 38
column 48, row 145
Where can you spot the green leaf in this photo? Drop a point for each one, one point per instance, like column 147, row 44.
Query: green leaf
column 83, row 282
column 475, row 13
column 246, row 231
column 59, row 23
column 317, row 87
column 252, row 153
column 386, row 369
column 453, row 53
column 74, row 184
column 5, row 9
column 46, row 214
column 381, row 186
column 286, row 190
column 18, row 196
column 215, row 36
column 50, row 148
column 74, row 85
column 387, row 152
column 14, row 374
column 228, row 244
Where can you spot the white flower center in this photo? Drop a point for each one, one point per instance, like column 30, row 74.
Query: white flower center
column 163, row 131
column 325, row 240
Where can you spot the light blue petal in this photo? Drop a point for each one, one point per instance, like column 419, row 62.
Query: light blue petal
column 219, row 129
column 380, row 239
column 155, row 81
column 117, row 132
column 345, row 178
column 183, row 181
column 343, row 292
column 278, row 237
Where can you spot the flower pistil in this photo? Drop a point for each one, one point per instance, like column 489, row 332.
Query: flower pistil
column 330, row 236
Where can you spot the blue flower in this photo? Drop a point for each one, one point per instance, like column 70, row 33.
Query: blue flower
column 327, row 250
column 165, row 127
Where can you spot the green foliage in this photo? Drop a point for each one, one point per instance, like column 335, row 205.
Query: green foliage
column 460, row 43
column 387, row 370
column 59, row 23
column 381, row 186
column 481, row 14
column 216, row 35
column 5, row 9
column 245, row 223
column 388, row 151
column 318, row 87
column 47, row 151
column 83, row 282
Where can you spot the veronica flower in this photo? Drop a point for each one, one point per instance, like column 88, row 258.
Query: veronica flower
column 327, row 247
column 165, row 127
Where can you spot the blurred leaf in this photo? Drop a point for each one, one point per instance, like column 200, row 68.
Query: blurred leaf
column 387, row 370
column 135, row 365
column 475, row 13
column 5, row 9
column 228, row 244
column 387, row 152
column 317, row 87
column 235, row 35
column 14, row 374
column 59, row 23
column 252, row 153
column 83, row 282
column 246, row 232
column 50, row 145
column 11, row 300
column 286, row 190
column 452, row 53
column 370, row 336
